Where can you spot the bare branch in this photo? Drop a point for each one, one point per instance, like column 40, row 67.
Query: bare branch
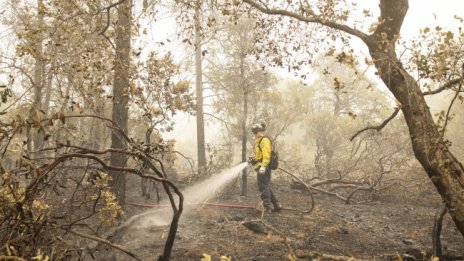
column 114, row 126
column 107, row 25
column 189, row 160
column 314, row 19
column 380, row 127
column 443, row 87
column 449, row 109
column 17, row 100
column 217, row 118
column 112, row 5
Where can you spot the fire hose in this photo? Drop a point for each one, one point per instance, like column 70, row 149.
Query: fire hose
column 307, row 188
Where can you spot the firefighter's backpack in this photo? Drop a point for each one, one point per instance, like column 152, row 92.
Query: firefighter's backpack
column 274, row 162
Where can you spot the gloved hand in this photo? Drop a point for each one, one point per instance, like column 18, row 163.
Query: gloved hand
column 262, row 170
column 252, row 161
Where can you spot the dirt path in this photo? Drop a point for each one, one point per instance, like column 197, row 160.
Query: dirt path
column 389, row 225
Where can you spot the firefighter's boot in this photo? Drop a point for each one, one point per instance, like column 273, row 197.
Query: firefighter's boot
column 277, row 206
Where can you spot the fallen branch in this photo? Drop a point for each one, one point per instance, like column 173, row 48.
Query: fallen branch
column 324, row 191
column 302, row 186
column 382, row 172
column 106, row 242
column 333, row 194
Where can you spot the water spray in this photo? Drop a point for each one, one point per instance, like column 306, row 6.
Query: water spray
column 199, row 193
column 193, row 195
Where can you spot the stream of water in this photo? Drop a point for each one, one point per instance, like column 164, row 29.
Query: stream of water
column 196, row 193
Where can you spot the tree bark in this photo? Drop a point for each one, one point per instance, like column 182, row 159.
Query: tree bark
column 199, row 94
column 121, row 95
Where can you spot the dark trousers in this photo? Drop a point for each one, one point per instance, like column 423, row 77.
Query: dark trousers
column 264, row 186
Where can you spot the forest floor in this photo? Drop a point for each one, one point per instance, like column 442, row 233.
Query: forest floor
column 393, row 223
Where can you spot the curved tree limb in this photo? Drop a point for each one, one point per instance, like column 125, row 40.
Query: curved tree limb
column 113, row 125
column 443, row 87
column 449, row 109
column 314, row 19
column 189, row 160
column 107, row 25
column 380, row 127
column 112, row 5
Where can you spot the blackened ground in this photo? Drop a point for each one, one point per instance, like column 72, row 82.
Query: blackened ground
column 396, row 221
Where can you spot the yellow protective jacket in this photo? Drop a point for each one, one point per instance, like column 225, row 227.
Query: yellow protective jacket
column 263, row 150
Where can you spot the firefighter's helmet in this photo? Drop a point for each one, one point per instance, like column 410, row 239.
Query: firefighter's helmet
column 258, row 127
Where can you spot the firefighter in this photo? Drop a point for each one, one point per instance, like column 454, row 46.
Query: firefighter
column 262, row 150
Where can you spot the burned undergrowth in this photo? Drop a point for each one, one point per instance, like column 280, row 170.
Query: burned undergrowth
column 392, row 223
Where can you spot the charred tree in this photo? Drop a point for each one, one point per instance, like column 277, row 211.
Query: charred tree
column 121, row 95
column 199, row 93
column 39, row 70
column 244, row 121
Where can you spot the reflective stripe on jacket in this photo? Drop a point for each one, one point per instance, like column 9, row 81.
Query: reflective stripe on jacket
column 262, row 151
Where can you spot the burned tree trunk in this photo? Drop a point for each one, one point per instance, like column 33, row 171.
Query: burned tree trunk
column 121, row 95
column 429, row 146
column 201, row 151
column 39, row 70
column 244, row 120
